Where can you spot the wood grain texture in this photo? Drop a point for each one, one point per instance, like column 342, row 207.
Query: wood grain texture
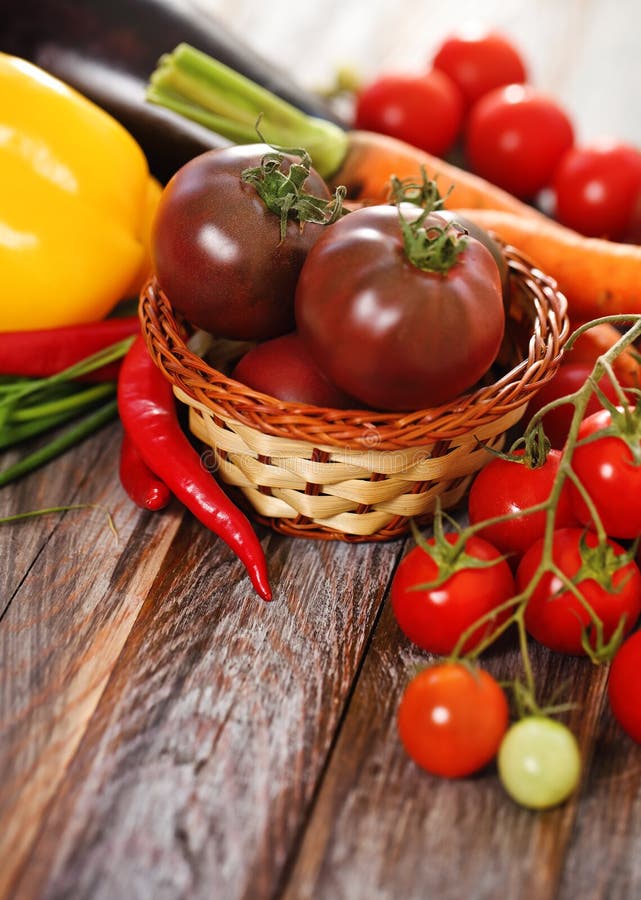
column 165, row 735
column 198, row 767
column 73, row 590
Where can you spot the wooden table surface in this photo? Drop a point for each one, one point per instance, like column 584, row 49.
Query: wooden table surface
column 166, row 734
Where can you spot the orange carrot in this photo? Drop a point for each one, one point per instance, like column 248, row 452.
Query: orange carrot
column 372, row 159
column 598, row 277
column 596, row 341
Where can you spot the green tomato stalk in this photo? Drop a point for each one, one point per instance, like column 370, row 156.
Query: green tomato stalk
column 428, row 246
column 283, row 192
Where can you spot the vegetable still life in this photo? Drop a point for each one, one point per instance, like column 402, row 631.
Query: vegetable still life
column 393, row 326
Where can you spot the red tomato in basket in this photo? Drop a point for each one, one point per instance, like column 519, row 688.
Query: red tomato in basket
column 478, row 61
column 387, row 332
column 434, row 618
column 217, row 249
column 506, row 487
column 515, row 138
column 624, row 686
column 284, row 369
column 610, row 584
column 451, row 720
column 424, row 110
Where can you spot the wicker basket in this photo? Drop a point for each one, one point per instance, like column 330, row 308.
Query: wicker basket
column 358, row 475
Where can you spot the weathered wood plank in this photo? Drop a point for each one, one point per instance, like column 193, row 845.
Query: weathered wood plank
column 205, row 750
column 75, row 592
column 604, row 858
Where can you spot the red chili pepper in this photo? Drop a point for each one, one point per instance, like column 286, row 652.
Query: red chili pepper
column 142, row 486
column 148, row 413
column 45, row 352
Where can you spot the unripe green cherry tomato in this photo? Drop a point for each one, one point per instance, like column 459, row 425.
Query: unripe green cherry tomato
column 539, row 762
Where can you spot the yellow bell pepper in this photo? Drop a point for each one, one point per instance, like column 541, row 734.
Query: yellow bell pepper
column 76, row 199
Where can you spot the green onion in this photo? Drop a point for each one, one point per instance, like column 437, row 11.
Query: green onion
column 60, row 443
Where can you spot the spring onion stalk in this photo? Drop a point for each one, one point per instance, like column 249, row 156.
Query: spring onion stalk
column 33, row 406
column 62, row 442
column 200, row 88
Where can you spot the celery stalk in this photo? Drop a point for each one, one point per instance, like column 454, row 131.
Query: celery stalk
column 200, row 88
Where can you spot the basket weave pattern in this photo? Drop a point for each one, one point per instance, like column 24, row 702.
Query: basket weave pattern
column 354, row 474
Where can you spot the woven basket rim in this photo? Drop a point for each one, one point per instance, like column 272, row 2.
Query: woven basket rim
column 358, row 428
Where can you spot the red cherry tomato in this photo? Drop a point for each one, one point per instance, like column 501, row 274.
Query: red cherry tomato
column 516, row 136
column 284, row 369
column 598, row 190
column 479, row 61
column 568, row 378
column 504, row 486
column 424, row 110
column 554, row 616
column 624, row 686
column 451, row 720
column 607, row 469
column 435, row 618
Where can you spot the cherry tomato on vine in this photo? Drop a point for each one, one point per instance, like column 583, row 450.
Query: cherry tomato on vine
column 624, row 686
column 609, row 468
column 598, row 190
column 451, row 720
column 435, row 618
column 516, row 136
column 424, row 110
column 478, row 61
column 398, row 314
column 569, row 377
column 539, row 762
column 506, row 486
column 217, row 248
column 608, row 580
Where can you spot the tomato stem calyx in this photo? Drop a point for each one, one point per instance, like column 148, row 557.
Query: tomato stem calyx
column 282, row 192
column 449, row 556
column 429, row 245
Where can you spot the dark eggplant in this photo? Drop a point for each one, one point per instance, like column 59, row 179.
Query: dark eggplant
column 107, row 50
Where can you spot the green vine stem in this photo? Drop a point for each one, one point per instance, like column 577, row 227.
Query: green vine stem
column 516, row 605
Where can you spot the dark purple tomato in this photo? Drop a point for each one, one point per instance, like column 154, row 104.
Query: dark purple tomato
column 391, row 334
column 283, row 368
column 217, row 250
